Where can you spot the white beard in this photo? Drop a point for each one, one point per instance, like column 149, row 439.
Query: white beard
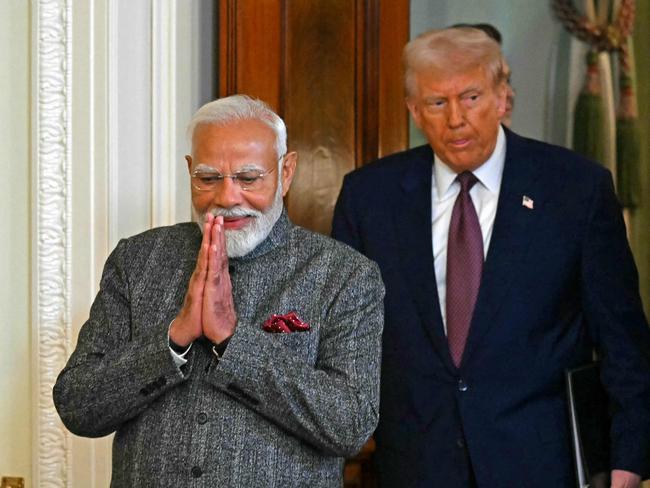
column 240, row 242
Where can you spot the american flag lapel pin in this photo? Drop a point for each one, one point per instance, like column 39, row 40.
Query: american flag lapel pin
column 527, row 202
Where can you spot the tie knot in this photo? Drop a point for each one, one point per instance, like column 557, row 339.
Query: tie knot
column 467, row 180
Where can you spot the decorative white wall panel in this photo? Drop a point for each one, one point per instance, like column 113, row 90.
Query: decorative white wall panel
column 163, row 113
column 51, row 217
column 132, row 101
column 105, row 165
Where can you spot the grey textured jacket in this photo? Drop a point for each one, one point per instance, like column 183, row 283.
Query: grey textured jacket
column 278, row 410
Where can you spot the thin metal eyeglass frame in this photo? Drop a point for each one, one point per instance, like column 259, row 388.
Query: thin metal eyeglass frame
column 234, row 177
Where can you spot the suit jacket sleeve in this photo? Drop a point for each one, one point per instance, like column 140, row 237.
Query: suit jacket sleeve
column 111, row 377
column 614, row 315
column 333, row 405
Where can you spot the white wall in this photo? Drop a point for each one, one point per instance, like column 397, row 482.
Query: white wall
column 142, row 74
column 15, row 392
column 142, row 71
column 197, row 82
column 96, row 94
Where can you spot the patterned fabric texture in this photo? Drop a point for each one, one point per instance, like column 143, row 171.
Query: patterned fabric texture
column 278, row 410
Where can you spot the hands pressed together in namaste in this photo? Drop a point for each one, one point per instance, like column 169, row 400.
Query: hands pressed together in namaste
column 208, row 309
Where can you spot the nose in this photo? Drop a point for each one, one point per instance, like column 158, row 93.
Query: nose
column 228, row 194
column 455, row 116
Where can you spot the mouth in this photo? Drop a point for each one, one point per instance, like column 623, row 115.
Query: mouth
column 236, row 223
column 459, row 143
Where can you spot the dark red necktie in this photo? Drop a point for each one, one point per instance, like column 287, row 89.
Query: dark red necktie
column 464, row 267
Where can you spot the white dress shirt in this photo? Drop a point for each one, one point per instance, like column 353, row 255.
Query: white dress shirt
column 484, row 195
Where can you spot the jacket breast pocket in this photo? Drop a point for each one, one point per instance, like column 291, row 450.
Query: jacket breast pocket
column 302, row 344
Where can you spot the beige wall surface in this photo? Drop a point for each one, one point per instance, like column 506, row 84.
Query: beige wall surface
column 15, row 386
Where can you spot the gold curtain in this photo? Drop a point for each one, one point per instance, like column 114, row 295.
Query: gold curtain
column 640, row 217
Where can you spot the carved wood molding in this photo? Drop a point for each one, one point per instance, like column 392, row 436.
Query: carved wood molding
column 51, row 204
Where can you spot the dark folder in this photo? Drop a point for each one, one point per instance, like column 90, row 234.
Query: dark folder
column 590, row 423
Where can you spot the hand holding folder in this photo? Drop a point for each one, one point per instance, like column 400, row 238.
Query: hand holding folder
column 590, row 424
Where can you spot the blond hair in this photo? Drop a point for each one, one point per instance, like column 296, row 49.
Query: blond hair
column 450, row 51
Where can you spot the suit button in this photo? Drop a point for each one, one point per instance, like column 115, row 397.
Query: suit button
column 196, row 472
column 462, row 386
column 202, row 418
column 460, row 443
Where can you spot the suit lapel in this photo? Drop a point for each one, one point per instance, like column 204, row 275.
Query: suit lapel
column 413, row 225
column 510, row 237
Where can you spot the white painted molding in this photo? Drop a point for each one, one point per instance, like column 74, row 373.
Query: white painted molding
column 163, row 112
column 51, row 205
column 112, row 122
column 97, row 147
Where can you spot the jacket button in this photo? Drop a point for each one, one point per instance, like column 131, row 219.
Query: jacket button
column 202, row 418
column 462, row 386
column 196, row 472
column 460, row 443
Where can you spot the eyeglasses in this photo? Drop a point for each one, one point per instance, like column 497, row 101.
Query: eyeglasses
column 248, row 180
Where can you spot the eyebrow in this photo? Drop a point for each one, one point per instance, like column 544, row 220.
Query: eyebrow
column 470, row 90
column 436, row 96
column 204, row 168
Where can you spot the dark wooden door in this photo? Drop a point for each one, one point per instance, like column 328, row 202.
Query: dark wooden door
column 331, row 68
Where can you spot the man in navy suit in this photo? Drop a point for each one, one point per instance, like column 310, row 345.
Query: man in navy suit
column 475, row 348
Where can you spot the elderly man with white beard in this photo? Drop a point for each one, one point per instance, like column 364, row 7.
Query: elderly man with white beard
column 240, row 352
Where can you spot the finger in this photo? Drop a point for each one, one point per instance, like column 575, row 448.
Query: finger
column 213, row 275
column 221, row 234
column 218, row 223
column 202, row 259
column 222, row 254
column 214, row 243
column 207, row 229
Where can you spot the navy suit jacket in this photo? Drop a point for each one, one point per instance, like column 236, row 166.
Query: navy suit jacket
column 558, row 282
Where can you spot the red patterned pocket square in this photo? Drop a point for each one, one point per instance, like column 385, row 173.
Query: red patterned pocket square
column 285, row 324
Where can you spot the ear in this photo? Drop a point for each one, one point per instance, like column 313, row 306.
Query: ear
column 288, row 170
column 414, row 111
column 502, row 98
column 188, row 158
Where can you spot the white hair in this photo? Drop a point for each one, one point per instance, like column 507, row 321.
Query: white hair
column 240, row 107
